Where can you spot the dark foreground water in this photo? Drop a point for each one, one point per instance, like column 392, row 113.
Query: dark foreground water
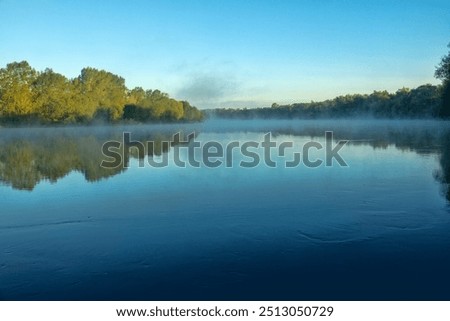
column 377, row 229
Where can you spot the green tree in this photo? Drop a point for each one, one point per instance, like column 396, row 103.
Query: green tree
column 16, row 96
column 152, row 105
column 191, row 113
column 95, row 94
column 136, row 96
column 102, row 91
column 54, row 97
column 443, row 73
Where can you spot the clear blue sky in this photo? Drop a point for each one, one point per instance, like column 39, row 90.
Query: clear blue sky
column 234, row 53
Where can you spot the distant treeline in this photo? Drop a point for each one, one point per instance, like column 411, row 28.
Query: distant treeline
column 28, row 96
column 425, row 101
column 422, row 102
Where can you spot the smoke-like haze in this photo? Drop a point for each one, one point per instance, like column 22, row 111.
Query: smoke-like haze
column 207, row 90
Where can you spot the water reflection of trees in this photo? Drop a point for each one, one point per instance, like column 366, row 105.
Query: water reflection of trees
column 26, row 159
column 422, row 138
column 30, row 156
column 444, row 174
column 433, row 138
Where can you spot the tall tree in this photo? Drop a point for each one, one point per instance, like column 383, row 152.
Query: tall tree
column 191, row 113
column 16, row 96
column 443, row 73
column 54, row 97
column 102, row 90
column 136, row 96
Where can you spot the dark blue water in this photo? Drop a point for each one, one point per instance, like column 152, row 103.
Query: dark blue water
column 378, row 229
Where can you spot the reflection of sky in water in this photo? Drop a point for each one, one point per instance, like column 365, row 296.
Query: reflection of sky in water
column 378, row 183
column 214, row 226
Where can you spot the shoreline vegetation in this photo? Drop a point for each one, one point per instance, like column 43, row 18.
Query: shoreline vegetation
column 422, row 102
column 426, row 101
column 30, row 97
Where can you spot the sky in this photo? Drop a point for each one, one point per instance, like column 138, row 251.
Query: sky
column 234, row 53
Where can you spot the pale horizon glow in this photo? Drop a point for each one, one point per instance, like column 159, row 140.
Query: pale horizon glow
column 233, row 53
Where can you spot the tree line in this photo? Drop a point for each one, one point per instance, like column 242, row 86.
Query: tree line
column 422, row 102
column 425, row 101
column 27, row 95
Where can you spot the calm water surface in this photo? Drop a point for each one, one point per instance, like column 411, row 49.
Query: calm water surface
column 377, row 229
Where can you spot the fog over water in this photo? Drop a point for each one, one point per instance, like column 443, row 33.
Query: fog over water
column 375, row 229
